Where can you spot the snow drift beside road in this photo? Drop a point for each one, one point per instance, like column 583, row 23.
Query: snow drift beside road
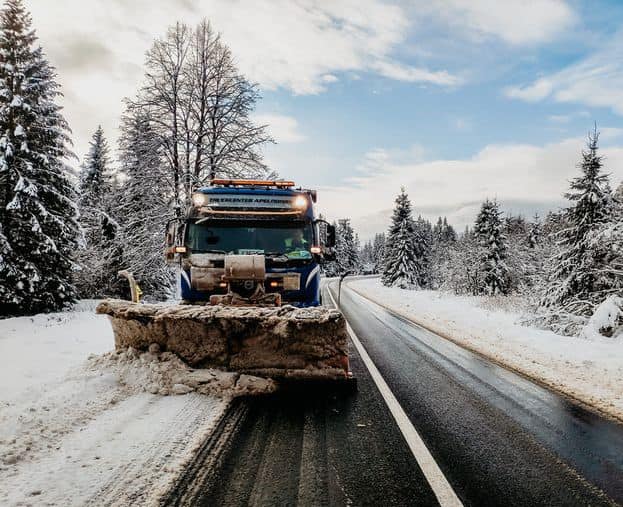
column 35, row 351
column 78, row 426
column 590, row 370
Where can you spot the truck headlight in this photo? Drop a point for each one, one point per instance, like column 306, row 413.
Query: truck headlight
column 199, row 199
column 300, row 202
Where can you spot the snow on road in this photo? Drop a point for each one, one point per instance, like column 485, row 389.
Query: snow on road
column 76, row 429
column 590, row 370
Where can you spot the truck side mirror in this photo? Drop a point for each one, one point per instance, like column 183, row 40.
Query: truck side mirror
column 330, row 243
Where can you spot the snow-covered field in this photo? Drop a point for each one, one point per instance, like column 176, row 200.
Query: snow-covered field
column 590, row 370
column 79, row 429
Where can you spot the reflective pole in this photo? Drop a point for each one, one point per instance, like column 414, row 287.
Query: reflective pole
column 339, row 287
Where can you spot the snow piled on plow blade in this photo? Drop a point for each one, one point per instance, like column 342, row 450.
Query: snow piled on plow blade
column 278, row 342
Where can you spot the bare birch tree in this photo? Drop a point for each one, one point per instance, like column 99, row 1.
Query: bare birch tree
column 200, row 105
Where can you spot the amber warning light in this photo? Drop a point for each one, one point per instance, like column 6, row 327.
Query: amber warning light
column 253, row 183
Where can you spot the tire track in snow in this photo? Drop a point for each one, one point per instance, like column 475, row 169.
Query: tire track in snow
column 127, row 455
column 162, row 458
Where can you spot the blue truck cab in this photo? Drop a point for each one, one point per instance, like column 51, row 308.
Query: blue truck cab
column 251, row 217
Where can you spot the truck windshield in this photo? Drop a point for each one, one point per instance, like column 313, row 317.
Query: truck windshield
column 292, row 240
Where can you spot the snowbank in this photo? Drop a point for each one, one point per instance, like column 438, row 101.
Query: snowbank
column 35, row 351
column 79, row 425
column 607, row 320
column 590, row 370
column 165, row 374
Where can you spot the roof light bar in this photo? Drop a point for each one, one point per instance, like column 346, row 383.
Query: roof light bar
column 253, row 183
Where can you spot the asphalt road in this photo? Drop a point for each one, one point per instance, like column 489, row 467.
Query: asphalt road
column 498, row 438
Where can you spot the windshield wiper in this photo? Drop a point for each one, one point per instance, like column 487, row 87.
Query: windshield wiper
column 276, row 255
column 210, row 251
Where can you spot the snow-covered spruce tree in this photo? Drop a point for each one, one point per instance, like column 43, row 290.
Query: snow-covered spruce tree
column 378, row 252
column 518, row 262
column 448, row 233
column 39, row 230
column 577, row 280
column 438, row 231
column 401, row 268
column 607, row 239
column 423, row 243
column 534, row 235
column 532, row 250
column 347, row 249
column 366, row 256
column 462, row 270
column 488, row 230
column 100, row 256
column 143, row 206
column 444, row 238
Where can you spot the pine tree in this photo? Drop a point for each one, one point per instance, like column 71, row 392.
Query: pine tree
column 515, row 225
column 443, row 238
column 534, row 237
column 488, row 230
column 401, row 269
column 366, row 256
column 378, row 252
column 38, row 217
column 448, row 232
column 423, row 244
column 438, row 231
column 607, row 241
column 347, row 248
column 143, row 207
column 100, row 258
column 576, row 282
column 462, row 270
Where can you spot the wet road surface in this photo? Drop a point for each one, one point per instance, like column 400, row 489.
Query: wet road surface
column 498, row 438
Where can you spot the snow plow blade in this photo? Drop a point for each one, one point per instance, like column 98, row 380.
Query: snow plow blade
column 282, row 343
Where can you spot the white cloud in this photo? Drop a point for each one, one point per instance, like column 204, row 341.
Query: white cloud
column 516, row 22
column 524, row 178
column 538, row 90
column 566, row 118
column 610, row 133
column 596, row 80
column 401, row 72
column 560, row 118
column 98, row 46
column 284, row 129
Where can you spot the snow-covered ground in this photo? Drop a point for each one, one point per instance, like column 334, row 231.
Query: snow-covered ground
column 590, row 370
column 80, row 429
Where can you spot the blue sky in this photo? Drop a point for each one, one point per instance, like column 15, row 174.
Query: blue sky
column 457, row 100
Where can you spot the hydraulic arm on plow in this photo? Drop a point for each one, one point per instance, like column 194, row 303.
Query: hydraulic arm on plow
column 249, row 255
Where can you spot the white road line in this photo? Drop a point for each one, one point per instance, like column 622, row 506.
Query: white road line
column 438, row 482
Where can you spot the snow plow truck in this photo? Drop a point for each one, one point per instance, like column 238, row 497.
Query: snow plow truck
column 248, row 254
